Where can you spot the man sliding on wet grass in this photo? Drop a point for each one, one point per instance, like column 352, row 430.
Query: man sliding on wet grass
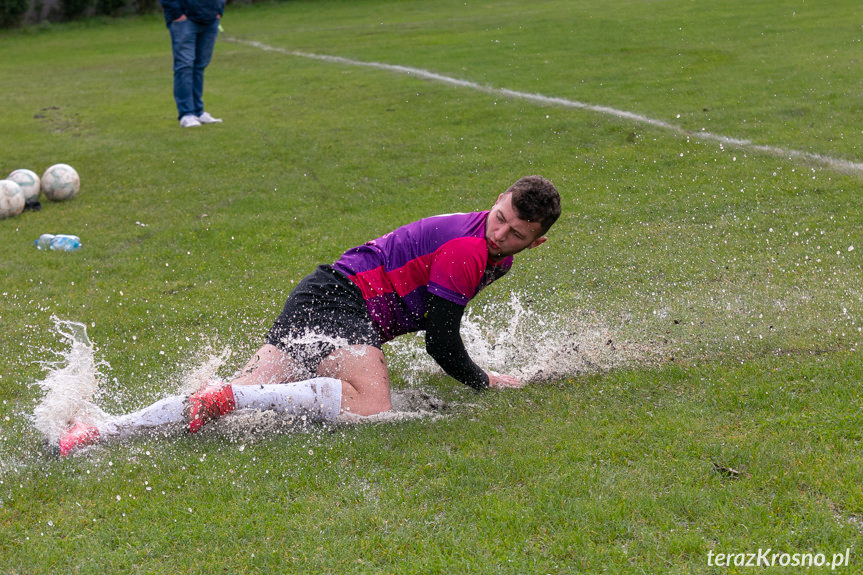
column 323, row 356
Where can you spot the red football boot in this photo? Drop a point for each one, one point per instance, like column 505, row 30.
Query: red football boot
column 77, row 435
column 210, row 402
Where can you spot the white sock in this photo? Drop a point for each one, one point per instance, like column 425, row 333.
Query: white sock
column 166, row 415
column 320, row 397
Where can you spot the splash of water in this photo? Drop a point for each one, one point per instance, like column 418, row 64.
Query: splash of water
column 70, row 384
column 71, row 387
column 536, row 346
column 511, row 337
column 516, row 338
column 199, row 375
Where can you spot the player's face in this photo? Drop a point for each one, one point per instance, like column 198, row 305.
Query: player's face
column 506, row 234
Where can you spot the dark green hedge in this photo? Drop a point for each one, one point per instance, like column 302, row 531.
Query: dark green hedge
column 11, row 12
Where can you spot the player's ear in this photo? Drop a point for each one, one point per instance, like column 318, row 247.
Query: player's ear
column 537, row 242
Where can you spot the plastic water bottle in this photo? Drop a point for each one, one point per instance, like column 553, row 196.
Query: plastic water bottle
column 60, row 242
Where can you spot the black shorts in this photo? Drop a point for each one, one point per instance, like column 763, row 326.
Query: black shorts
column 326, row 311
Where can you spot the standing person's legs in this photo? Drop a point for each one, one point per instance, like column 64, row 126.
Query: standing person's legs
column 183, row 41
column 205, row 42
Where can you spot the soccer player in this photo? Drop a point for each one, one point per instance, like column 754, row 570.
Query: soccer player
column 323, row 356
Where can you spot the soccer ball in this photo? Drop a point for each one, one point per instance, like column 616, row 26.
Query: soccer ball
column 60, row 182
column 11, row 199
column 29, row 182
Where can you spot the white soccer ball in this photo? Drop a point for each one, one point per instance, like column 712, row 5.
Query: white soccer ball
column 29, row 182
column 60, row 182
column 11, row 199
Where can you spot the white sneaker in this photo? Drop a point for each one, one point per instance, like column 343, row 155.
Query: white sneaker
column 206, row 118
column 189, row 121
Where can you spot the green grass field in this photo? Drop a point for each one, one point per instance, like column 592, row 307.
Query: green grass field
column 702, row 297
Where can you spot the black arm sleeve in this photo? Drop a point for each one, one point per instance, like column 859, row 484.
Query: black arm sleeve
column 444, row 344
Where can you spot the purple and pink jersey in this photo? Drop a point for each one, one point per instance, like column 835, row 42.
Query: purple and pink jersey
column 442, row 255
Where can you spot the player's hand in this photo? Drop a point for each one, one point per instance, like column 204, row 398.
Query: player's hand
column 499, row 381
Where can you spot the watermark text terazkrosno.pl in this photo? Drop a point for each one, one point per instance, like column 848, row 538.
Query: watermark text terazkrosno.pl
column 770, row 558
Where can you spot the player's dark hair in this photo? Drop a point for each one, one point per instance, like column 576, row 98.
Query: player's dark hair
column 536, row 200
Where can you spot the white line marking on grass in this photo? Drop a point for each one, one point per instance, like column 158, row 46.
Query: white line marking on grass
column 828, row 161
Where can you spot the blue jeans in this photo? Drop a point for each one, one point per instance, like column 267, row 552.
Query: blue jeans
column 192, row 44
